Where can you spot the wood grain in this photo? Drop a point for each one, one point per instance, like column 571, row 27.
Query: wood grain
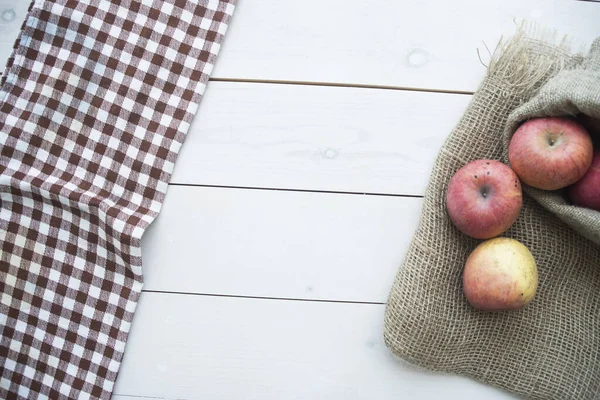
column 409, row 43
column 428, row 45
column 317, row 138
column 278, row 244
column 202, row 347
column 312, row 246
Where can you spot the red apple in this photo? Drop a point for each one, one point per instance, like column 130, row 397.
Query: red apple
column 484, row 198
column 550, row 153
column 586, row 191
column 500, row 274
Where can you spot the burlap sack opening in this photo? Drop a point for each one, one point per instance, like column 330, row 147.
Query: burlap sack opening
column 570, row 93
column 551, row 348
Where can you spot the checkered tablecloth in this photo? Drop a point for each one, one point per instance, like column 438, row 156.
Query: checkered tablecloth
column 94, row 107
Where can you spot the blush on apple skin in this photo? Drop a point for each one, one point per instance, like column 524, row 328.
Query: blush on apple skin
column 586, row 191
column 484, row 198
column 500, row 274
column 550, row 153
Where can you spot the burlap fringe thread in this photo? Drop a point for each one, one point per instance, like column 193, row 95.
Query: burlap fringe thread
column 551, row 348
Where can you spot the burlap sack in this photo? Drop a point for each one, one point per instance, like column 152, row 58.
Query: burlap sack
column 569, row 93
column 551, row 348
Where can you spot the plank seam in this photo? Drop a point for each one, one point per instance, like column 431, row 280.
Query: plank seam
column 340, row 84
column 263, row 297
column 416, row 196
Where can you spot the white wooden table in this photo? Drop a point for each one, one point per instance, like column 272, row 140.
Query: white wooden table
column 297, row 192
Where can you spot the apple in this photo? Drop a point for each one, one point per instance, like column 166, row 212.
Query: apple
column 550, row 153
column 586, row 191
column 484, row 198
column 500, row 274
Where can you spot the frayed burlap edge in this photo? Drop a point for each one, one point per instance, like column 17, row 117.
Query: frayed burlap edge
column 551, row 348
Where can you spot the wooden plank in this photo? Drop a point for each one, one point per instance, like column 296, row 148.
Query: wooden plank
column 198, row 347
column 278, row 243
column 323, row 138
column 374, row 42
column 12, row 15
column 411, row 43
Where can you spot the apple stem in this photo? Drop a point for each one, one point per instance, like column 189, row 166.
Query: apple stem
column 484, row 191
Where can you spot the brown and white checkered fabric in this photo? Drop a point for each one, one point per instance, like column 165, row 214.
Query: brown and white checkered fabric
column 94, row 106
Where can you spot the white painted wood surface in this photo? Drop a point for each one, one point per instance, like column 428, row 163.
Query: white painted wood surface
column 319, row 138
column 12, row 15
column 278, row 244
column 343, row 248
column 408, row 43
column 219, row 348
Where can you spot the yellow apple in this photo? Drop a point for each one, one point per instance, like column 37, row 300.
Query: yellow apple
column 500, row 274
